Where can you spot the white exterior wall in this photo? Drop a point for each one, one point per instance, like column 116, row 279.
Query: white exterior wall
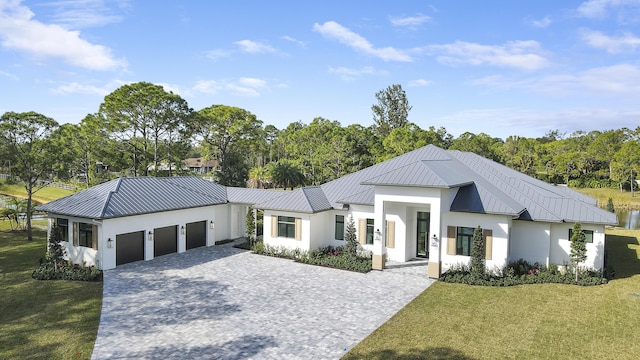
column 289, row 243
column 78, row 254
column 148, row 222
column 362, row 212
column 530, row 241
column 499, row 224
column 561, row 245
column 391, row 203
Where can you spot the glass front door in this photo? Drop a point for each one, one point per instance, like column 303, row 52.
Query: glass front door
column 422, row 234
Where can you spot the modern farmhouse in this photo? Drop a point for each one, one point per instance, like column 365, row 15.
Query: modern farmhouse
column 425, row 203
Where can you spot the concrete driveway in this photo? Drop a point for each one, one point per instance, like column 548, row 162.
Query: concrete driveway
column 225, row 303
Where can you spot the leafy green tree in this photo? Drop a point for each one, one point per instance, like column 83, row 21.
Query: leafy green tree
column 625, row 161
column 351, row 247
column 478, row 253
column 260, row 177
column 286, row 174
column 27, row 138
column 391, row 111
column 481, row 144
column 143, row 117
column 250, row 224
column 610, row 206
column 578, row 252
column 226, row 133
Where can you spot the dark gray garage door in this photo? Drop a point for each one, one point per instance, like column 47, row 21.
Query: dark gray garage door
column 129, row 247
column 196, row 234
column 165, row 240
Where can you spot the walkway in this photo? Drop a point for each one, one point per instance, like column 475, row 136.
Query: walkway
column 225, row 303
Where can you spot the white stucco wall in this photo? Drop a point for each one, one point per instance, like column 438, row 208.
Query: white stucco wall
column 499, row 224
column 289, row 243
column 561, row 246
column 530, row 241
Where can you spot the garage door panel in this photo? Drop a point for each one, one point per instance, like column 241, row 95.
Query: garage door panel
column 129, row 247
column 165, row 240
column 196, row 234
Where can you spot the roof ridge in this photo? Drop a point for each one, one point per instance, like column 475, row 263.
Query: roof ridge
column 108, row 198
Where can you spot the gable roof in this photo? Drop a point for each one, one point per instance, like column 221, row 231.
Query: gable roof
column 305, row 200
column 135, row 196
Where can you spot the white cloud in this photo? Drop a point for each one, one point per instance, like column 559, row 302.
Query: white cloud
column 76, row 88
column 542, row 23
column 295, row 41
column 616, row 80
column 253, row 47
column 351, row 74
column 333, row 30
column 419, row 83
column 85, row 13
column 524, row 55
column 626, row 10
column 19, row 31
column 9, row 75
column 613, row 45
column 250, row 87
column 217, row 54
column 410, row 21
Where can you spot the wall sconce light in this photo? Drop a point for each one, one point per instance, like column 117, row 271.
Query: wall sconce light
column 378, row 235
column 182, row 230
column 212, row 225
column 109, row 243
column 150, row 236
column 434, row 241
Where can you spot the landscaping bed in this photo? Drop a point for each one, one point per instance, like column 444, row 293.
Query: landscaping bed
column 333, row 257
column 521, row 272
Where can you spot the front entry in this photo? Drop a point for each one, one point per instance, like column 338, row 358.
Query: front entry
column 422, row 234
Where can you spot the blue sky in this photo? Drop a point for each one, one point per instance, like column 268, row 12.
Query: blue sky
column 499, row 67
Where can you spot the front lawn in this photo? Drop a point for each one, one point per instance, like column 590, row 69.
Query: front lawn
column 542, row 321
column 55, row 319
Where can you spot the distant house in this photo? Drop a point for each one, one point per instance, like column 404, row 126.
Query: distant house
column 201, row 166
column 425, row 203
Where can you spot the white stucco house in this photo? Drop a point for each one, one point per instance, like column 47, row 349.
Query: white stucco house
column 425, row 203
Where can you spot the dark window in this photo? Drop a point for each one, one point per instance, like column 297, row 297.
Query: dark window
column 287, row 227
column 63, row 229
column 85, row 235
column 588, row 235
column 339, row 227
column 369, row 231
column 464, row 241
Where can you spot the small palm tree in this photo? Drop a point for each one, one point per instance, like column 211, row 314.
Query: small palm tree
column 287, row 174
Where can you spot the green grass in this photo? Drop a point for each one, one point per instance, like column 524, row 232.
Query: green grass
column 42, row 196
column 620, row 199
column 43, row 319
column 546, row 321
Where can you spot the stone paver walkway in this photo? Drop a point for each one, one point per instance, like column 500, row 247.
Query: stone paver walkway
column 225, row 303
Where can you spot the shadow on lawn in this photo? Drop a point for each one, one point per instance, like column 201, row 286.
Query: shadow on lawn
column 438, row 353
column 622, row 255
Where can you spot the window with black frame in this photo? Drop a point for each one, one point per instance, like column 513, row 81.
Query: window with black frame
column 62, row 226
column 287, row 227
column 85, row 235
column 339, row 235
column 464, row 240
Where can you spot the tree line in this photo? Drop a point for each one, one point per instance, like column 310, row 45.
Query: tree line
column 141, row 129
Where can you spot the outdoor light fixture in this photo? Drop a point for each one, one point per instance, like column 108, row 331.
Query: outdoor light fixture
column 378, row 235
column 434, row 241
column 109, row 243
column 150, row 237
column 212, row 225
column 182, row 230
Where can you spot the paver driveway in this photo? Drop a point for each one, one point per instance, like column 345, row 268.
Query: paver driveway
column 225, row 303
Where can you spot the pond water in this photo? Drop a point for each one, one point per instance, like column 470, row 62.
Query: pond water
column 629, row 219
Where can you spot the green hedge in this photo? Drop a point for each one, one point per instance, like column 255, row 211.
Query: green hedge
column 521, row 272
column 50, row 270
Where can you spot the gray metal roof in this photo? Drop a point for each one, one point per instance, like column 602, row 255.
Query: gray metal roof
column 135, row 196
column 306, row 200
column 484, row 186
column 252, row 196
